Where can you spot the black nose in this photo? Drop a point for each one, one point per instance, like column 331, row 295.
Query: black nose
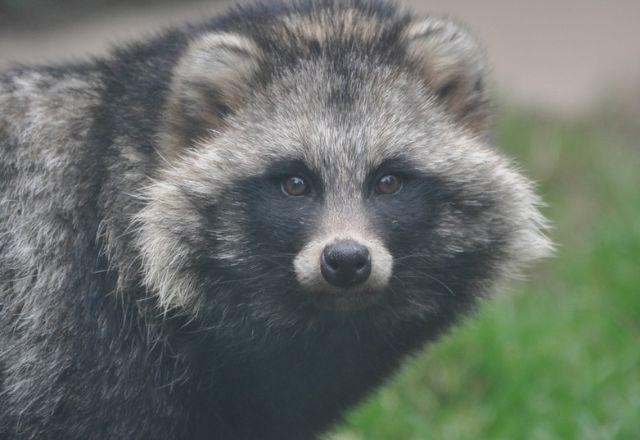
column 345, row 264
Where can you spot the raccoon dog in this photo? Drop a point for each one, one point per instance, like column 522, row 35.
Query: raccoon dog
column 238, row 229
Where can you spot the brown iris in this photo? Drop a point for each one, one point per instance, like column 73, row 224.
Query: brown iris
column 295, row 186
column 388, row 184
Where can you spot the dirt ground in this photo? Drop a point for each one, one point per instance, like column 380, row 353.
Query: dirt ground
column 556, row 55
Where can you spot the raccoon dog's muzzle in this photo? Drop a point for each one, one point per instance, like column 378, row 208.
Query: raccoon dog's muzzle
column 348, row 266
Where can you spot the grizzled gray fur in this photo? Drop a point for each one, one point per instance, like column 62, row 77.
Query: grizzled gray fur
column 239, row 228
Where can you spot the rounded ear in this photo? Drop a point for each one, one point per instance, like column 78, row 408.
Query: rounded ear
column 212, row 79
column 453, row 65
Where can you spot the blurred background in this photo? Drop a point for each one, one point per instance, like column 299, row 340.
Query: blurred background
column 557, row 356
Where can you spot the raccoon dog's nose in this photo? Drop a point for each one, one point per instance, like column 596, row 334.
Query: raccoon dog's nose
column 345, row 264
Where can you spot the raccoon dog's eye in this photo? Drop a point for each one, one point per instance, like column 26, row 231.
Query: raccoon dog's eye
column 388, row 184
column 295, row 186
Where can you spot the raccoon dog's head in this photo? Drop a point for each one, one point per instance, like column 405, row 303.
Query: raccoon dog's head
column 330, row 163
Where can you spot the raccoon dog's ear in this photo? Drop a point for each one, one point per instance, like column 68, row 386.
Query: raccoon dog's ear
column 453, row 64
column 211, row 80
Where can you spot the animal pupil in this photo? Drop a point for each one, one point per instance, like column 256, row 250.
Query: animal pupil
column 295, row 186
column 389, row 184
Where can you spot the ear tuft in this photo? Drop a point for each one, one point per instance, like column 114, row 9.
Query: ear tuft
column 212, row 79
column 453, row 65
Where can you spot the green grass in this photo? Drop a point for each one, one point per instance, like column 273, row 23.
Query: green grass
column 557, row 357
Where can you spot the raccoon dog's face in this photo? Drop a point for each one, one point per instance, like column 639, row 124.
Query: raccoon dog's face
column 337, row 165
